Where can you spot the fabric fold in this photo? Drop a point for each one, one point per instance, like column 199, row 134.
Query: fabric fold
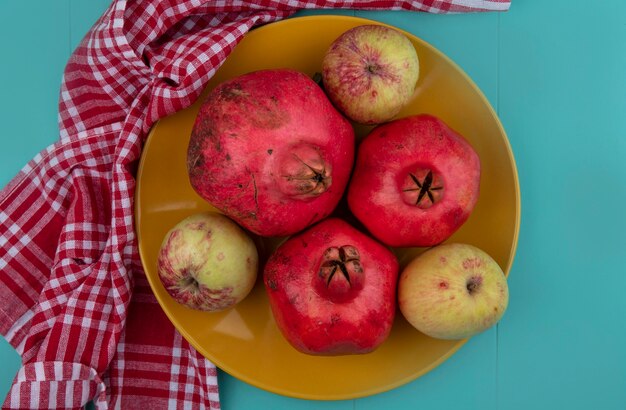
column 38, row 385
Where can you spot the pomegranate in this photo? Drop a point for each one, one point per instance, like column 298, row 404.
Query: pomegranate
column 332, row 289
column 415, row 182
column 269, row 150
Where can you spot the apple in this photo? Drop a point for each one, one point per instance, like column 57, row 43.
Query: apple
column 207, row 262
column 370, row 73
column 332, row 289
column 415, row 182
column 452, row 291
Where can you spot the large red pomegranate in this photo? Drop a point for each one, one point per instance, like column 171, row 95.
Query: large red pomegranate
column 269, row 150
column 415, row 181
column 332, row 289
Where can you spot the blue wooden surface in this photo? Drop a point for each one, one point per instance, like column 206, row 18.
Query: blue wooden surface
column 555, row 71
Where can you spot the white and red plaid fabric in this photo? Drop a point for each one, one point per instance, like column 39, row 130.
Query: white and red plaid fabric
column 68, row 254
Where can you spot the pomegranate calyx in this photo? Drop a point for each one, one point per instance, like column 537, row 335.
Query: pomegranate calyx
column 340, row 273
column 308, row 179
column 344, row 259
column 304, row 172
column 423, row 188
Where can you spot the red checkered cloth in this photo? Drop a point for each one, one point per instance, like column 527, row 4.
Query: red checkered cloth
column 69, row 262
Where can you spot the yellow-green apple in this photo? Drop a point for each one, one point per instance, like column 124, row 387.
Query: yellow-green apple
column 207, row 262
column 332, row 289
column 415, row 181
column 453, row 291
column 370, row 73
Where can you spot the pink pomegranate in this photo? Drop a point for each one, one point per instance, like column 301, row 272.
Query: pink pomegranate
column 332, row 289
column 270, row 151
column 415, row 182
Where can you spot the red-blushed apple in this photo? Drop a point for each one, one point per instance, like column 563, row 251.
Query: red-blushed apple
column 370, row 73
column 453, row 291
column 332, row 289
column 207, row 262
column 415, row 181
column 269, row 150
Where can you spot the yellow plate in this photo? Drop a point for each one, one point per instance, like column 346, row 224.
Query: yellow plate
column 245, row 341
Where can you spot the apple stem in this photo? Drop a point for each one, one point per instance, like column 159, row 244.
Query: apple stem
column 373, row 68
column 319, row 80
column 188, row 283
column 473, row 284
